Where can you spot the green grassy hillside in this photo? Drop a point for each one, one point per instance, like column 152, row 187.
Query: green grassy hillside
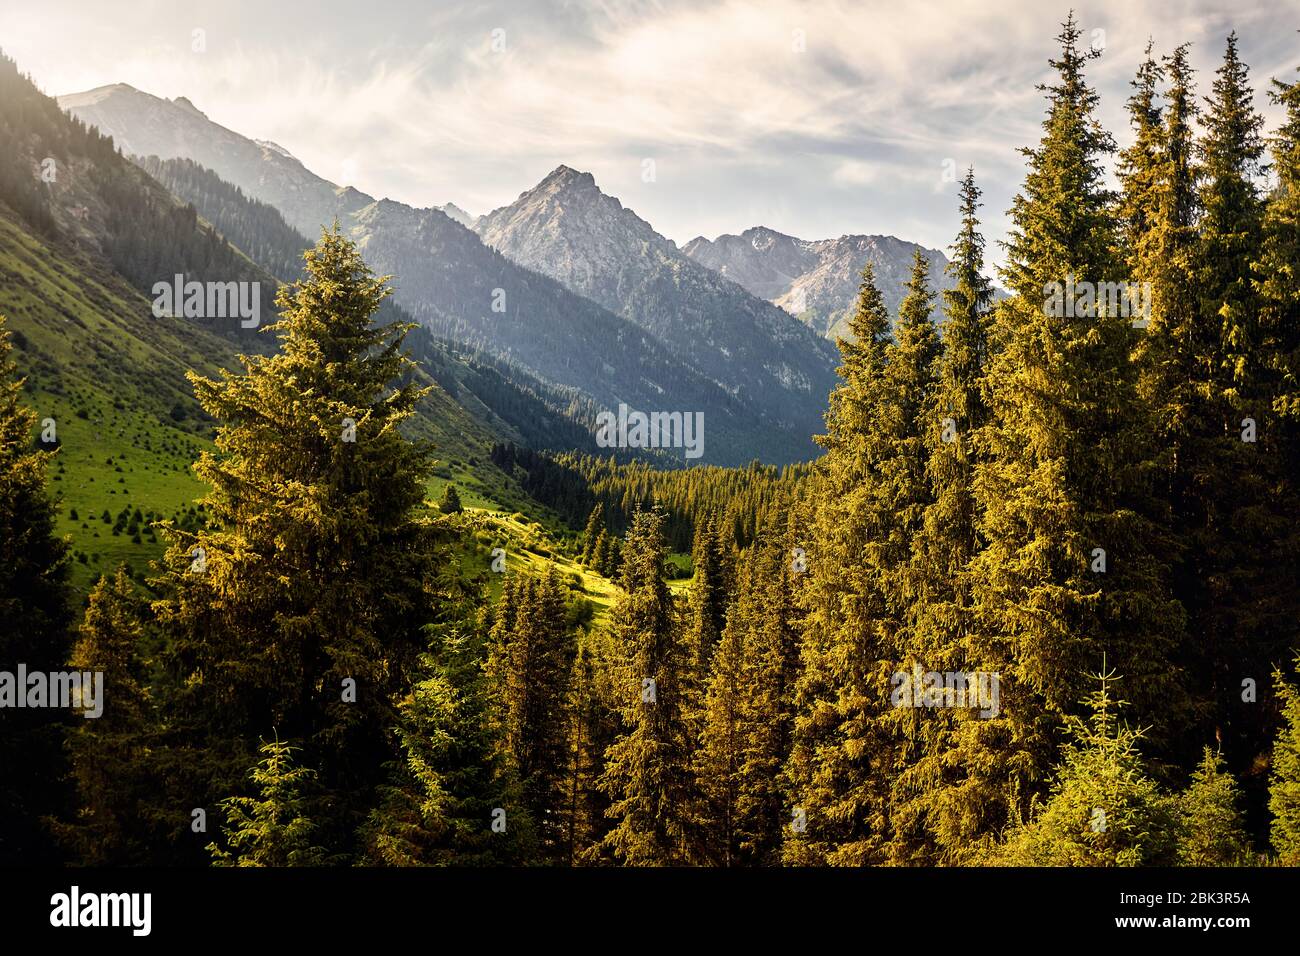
column 112, row 379
column 111, row 376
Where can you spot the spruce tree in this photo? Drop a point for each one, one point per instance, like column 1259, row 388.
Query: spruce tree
column 724, row 733
column 612, row 565
column 838, row 768
column 913, row 424
column 1143, row 172
column 647, row 769
column 1210, row 823
column 591, row 534
column 708, row 597
column 1278, row 269
column 772, row 669
column 450, row 799
column 34, row 607
column 108, row 756
column 529, row 664
column 300, row 608
column 1284, row 776
column 931, row 801
column 1104, row 808
column 1227, row 447
column 1277, row 281
column 592, row 728
column 1231, row 152
column 449, row 503
column 271, row 828
column 1072, row 568
column 1160, row 209
column 601, row 552
column 911, row 380
column 747, row 712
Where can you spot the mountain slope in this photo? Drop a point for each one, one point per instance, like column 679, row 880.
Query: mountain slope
column 459, row 288
column 449, row 281
column 68, row 183
column 111, row 378
column 145, row 125
column 817, row 281
column 567, row 228
column 514, row 406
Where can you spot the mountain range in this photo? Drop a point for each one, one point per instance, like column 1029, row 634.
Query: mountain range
column 567, row 228
column 464, row 291
column 815, row 280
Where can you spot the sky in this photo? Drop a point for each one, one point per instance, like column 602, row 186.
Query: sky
column 813, row 117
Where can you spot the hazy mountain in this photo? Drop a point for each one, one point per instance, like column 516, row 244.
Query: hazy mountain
column 817, row 281
column 115, row 227
column 68, row 184
column 455, row 212
column 454, row 284
column 146, row 125
column 567, row 228
column 107, row 377
column 451, row 282
column 514, row 406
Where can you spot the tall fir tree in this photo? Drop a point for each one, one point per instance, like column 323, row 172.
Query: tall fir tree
column 34, row 604
column 1143, row 171
column 602, row 552
column 1160, row 210
column 772, row 664
column 1277, row 281
column 592, row 728
column 913, row 425
column 1278, row 270
column 723, row 733
column 1227, row 445
column 108, row 757
column 648, row 768
column 450, row 799
column 708, row 595
column 300, row 609
column 837, row 771
column 748, row 714
column 1072, row 568
column 1232, row 161
column 591, row 534
column 529, row 664
column 931, row 800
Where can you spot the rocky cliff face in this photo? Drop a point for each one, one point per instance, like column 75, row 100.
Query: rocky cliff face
column 568, row 229
column 815, row 280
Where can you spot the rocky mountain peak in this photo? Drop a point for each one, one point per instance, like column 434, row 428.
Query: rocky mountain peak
column 184, row 103
column 568, row 218
column 815, row 280
column 566, row 177
column 456, row 214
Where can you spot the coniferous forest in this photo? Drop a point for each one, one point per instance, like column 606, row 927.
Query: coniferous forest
column 1033, row 603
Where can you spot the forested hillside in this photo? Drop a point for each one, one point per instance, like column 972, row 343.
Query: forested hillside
column 68, row 181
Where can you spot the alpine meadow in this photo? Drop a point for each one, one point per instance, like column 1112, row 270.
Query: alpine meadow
column 348, row 530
